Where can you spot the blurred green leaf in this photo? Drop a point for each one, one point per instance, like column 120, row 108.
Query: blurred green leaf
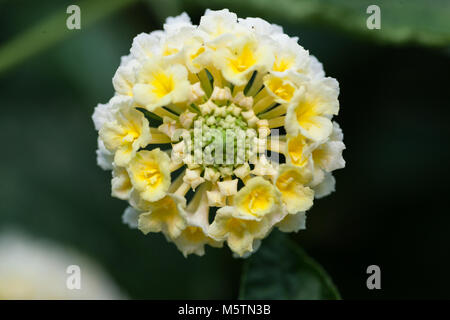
column 280, row 269
column 169, row 9
column 402, row 21
column 52, row 29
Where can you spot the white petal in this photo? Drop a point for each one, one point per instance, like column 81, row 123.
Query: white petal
column 260, row 26
column 105, row 157
column 130, row 217
column 326, row 187
column 145, row 45
column 174, row 24
column 293, row 222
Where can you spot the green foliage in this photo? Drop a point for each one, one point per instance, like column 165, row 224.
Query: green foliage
column 413, row 21
column 152, row 118
column 280, row 269
column 52, row 29
column 402, row 21
column 161, row 12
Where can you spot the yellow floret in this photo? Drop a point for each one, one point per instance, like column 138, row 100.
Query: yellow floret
column 165, row 215
column 238, row 230
column 310, row 113
column 150, row 174
column 126, row 133
column 257, row 198
column 292, row 183
column 159, row 84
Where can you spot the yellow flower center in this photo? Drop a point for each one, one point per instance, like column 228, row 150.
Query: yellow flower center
column 305, row 111
column 198, row 53
column 296, row 149
column 284, row 90
column 153, row 175
column 286, row 183
column 282, row 64
column 130, row 136
column 194, row 234
column 257, row 201
column 162, row 84
column 244, row 60
column 169, row 51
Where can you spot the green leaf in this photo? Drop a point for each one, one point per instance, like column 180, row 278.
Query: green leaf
column 280, row 269
column 169, row 9
column 402, row 21
column 53, row 29
column 152, row 118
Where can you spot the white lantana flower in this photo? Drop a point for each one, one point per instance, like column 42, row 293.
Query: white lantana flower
column 209, row 110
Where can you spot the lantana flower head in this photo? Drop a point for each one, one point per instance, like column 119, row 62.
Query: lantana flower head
column 219, row 132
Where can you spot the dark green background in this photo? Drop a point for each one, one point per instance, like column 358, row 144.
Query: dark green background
column 391, row 204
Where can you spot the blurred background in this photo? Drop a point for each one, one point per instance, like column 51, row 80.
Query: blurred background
column 390, row 208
